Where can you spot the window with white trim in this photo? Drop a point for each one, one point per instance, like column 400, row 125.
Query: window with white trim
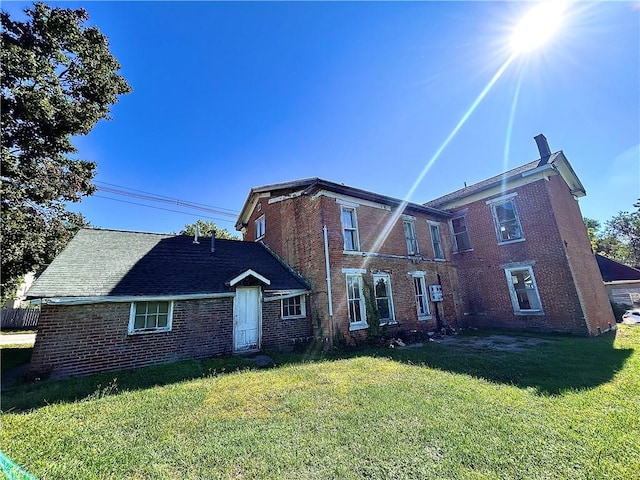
column 293, row 307
column 147, row 317
column 422, row 301
column 436, row 241
column 384, row 300
column 523, row 290
column 350, row 228
column 409, row 227
column 507, row 222
column 355, row 301
column 461, row 239
column 260, row 227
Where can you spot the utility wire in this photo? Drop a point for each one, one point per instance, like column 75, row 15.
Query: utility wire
column 163, row 199
column 165, row 209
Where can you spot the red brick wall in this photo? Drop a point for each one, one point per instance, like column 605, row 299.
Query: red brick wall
column 582, row 263
column 294, row 231
column 83, row 339
column 545, row 213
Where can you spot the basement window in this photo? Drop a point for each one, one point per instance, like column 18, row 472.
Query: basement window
column 293, row 307
column 148, row 317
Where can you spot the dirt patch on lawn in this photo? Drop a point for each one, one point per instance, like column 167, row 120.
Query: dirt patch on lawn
column 504, row 343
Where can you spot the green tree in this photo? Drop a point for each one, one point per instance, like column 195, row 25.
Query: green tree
column 593, row 226
column 58, row 80
column 205, row 229
column 625, row 227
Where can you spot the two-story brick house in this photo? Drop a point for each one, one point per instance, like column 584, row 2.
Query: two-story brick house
column 363, row 254
column 510, row 251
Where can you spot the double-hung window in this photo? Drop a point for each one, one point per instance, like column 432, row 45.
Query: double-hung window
column 409, row 226
column 505, row 217
column 523, row 290
column 150, row 317
column 461, row 238
column 293, row 307
column 260, row 227
column 422, row 301
column 350, row 229
column 356, row 302
column 436, row 241
column 384, row 301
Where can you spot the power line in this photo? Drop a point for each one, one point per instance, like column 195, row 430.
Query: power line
column 165, row 209
column 153, row 197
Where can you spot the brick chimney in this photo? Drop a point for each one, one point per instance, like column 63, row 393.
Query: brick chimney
column 543, row 148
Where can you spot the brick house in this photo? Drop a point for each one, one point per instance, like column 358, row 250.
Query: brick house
column 118, row 300
column 358, row 249
column 511, row 251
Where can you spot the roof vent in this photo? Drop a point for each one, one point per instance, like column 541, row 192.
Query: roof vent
column 213, row 241
column 197, row 234
column 543, row 148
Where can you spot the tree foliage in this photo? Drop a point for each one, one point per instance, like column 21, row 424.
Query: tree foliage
column 205, row 229
column 620, row 237
column 58, row 80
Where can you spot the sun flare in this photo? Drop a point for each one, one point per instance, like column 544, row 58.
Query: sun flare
column 537, row 26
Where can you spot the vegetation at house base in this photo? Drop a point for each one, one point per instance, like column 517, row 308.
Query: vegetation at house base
column 208, row 229
column 620, row 237
column 565, row 408
column 58, row 80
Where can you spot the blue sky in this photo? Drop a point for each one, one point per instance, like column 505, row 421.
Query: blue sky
column 228, row 96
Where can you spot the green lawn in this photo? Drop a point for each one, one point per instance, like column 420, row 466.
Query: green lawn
column 569, row 408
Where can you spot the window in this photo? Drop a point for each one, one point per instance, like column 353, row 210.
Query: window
column 523, row 290
column 410, row 236
column 422, row 302
column 461, row 238
column 507, row 222
column 436, row 241
column 150, row 317
column 356, row 304
column 384, row 302
column 350, row 229
column 260, row 227
column 293, row 307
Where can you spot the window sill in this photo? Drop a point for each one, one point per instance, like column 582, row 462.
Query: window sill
column 455, row 252
column 524, row 313
column 259, row 238
column 422, row 318
column 293, row 317
column 390, row 322
column 358, row 326
column 352, row 252
column 149, row 330
column 439, row 259
column 508, row 242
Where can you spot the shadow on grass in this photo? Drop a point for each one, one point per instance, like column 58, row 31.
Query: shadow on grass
column 558, row 365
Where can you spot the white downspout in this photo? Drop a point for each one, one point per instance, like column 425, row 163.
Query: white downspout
column 326, row 266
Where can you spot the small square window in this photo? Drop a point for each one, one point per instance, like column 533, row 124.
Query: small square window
column 150, row 317
column 293, row 307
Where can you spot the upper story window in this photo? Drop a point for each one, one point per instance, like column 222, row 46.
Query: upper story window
column 523, row 290
column 506, row 221
column 356, row 302
column 293, row 307
column 384, row 301
column 436, row 241
column 461, row 239
column 350, row 229
column 147, row 317
column 260, row 227
column 409, row 226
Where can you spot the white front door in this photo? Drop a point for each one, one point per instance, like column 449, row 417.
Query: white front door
column 246, row 319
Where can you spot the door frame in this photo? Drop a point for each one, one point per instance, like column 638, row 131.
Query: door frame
column 258, row 320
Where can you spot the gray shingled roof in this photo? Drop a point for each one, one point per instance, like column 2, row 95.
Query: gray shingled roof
column 117, row 263
column 484, row 184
